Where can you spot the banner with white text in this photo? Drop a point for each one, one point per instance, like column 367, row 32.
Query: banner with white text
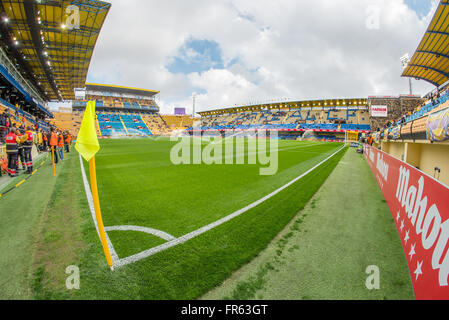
column 420, row 208
column 379, row 111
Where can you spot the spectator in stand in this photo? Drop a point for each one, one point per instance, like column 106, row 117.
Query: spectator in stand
column 3, row 132
column 3, row 120
column 8, row 115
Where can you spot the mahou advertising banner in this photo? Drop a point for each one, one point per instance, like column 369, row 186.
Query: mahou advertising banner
column 420, row 208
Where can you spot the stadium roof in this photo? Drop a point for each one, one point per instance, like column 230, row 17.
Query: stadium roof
column 50, row 49
column 327, row 103
column 120, row 89
column 431, row 60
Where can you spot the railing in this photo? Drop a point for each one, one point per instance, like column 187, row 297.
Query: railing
column 415, row 129
column 4, row 60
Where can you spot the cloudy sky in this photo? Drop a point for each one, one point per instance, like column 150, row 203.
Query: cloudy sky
column 233, row 52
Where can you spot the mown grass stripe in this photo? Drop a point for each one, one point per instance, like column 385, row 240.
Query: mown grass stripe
column 191, row 235
column 189, row 270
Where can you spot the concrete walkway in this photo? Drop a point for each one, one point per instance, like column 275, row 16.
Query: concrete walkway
column 325, row 251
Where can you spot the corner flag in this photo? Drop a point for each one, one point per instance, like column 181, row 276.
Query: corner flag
column 87, row 142
column 87, row 145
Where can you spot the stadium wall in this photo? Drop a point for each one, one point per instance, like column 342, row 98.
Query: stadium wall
column 420, row 210
column 423, row 155
column 396, row 108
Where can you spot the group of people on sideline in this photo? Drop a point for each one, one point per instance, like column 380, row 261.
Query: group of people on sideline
column 19, row 144
column 58, row 143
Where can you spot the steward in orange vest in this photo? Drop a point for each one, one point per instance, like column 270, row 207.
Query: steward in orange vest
column 53, row 138
column 54, row 144
column 45, row 140
column 67, row 142
column 61, row 140
column 61, row 146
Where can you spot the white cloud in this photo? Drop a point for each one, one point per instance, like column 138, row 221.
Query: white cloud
column 284, row 49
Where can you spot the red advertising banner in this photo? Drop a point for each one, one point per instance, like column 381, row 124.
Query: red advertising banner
column 420, row 208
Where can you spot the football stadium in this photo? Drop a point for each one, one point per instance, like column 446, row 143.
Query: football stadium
column 108, row 194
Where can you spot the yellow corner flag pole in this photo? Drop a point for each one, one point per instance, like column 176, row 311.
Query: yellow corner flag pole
column 93, row 186
column 87, row 145
column 53, row 158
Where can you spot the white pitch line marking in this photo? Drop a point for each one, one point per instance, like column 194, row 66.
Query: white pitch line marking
column 194, row 234
column 155, row 232
column 115, row 258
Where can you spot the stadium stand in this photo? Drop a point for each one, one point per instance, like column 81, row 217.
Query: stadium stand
column 134, row 124
column 412, row 125
column 62, row 120
column 328, row 119
column 110, row 124
column 155, row 124
column 419, row 136
column 118, row 109
column 126, row 111
column 177, row 122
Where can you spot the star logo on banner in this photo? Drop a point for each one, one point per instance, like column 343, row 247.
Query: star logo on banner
column 412, row 251
column 399, row 215
column 406, row 236
column 418, row 270
column 402, row 225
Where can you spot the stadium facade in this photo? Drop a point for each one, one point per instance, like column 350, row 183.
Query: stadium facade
column 121, row 111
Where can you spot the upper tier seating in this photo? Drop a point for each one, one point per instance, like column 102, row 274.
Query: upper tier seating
column 110, row 124
column 310, row 119
column 135, row 124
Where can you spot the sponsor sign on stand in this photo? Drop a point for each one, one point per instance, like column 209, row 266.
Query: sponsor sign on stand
column 379, row 111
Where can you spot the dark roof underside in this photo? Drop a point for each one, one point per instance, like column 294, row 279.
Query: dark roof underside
column 120, row 89
column 51, row 51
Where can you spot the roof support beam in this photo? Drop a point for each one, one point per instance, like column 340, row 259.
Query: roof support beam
column 435, row 53
column 430, row 68
column 421, row 78
column 91, row 6
column 27, row 44
column 439, row 32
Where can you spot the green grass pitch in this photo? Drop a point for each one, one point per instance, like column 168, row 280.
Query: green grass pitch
column 139, row 186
